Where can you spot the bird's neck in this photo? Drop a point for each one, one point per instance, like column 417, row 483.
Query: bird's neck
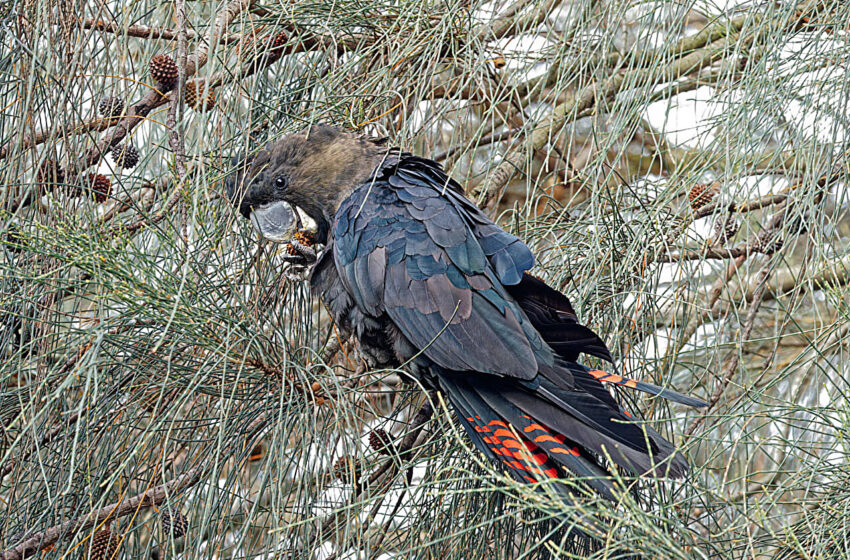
column 322, row 205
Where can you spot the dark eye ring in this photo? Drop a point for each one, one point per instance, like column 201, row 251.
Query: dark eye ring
column 280, row 182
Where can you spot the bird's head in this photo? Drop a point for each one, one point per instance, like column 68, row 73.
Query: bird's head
column 314, row 170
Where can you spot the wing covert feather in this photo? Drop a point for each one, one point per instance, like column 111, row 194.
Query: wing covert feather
column 404, row 245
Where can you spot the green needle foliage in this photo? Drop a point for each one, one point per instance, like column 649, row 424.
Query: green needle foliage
column 679, row 168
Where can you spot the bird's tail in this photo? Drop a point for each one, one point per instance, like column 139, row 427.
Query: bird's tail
column 528, row 450
column 544, row 431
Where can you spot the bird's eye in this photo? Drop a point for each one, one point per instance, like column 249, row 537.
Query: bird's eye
column 280, row 182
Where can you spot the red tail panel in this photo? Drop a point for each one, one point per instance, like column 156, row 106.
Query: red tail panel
column 606, row 377
column 521, row 455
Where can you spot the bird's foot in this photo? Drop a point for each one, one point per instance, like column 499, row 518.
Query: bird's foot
column 297, row 273
column 300, row 257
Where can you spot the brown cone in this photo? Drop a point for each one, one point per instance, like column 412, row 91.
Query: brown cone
column 347, row 469
column 701, row 195
column 110, row 107
column 247, row 44
column 99, row 185
column 192, row 92
column 725, row 228
column 278, row 43
column 104, row 545
column 125, row 155
column 173, row 522
column 768, row 242
column 164, row 71
column 381, row 441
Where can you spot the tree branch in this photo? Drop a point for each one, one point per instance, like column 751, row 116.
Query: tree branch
column 541, row 135
column 148, row 32
column 175, row 109
column 404, row 449
column 734, row 360
column 148, row 498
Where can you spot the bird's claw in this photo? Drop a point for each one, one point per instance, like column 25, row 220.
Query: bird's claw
column 301, row 259
column 297, row 273
column 295, row 259
column 307, row 253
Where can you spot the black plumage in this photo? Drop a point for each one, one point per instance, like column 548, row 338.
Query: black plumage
column 422, row 277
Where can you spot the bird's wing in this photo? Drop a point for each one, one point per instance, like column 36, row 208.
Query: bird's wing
column 405, row 246
column 549, row 311
column 554, row 318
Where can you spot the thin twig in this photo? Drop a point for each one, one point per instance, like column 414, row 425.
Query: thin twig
column 148, row 32
column 151, row 497
column 542, row 134
column 485, row 141
column 710, row 252
column 743, row 207
column 174, row 120
column 734, row 360
column 510, row 22
column 45, row 440
column 709, row 310
column 404, row 450
column 732, row 365
column 217, row 30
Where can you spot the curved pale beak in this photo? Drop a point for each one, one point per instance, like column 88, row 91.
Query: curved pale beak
column 275, row 221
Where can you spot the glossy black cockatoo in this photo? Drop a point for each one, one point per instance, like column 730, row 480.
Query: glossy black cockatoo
column 422, row 277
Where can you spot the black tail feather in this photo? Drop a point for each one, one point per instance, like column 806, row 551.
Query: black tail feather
column 544, row 433
column 605, row 430
column 579, row 371
column 492, row 436
column 536, row 436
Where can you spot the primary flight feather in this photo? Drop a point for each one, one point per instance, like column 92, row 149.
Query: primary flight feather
column 422, row 277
